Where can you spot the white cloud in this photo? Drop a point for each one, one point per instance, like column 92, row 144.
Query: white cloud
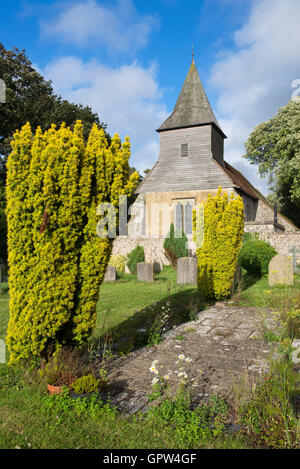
column 255, row 80
column 88, row 22
column 127, row 98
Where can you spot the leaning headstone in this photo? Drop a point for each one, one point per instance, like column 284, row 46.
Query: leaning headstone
column 187, row 271
column 158, row 266
column 281, row 271
column 294, row 251
column 110, row 274
column 145, row 272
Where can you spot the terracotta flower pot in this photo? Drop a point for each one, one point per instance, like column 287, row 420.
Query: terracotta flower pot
column 54, row 389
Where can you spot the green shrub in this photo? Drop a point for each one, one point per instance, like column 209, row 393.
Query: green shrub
column 218, row 254
column 118, row 261
column 134, row 257
column 57, row 251
column 86, row 384
column 255, row 256
column 175, row 246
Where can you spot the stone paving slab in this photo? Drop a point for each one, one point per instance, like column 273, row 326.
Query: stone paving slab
column 224, row 344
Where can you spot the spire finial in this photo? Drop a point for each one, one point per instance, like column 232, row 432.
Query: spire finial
column 193, row 55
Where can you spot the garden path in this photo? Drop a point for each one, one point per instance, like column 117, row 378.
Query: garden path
column 223, row 347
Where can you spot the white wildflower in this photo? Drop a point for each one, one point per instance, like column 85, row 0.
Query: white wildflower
column 153, row 369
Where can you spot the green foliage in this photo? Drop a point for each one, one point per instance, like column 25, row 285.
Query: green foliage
column 175, row 246
column 205, row 422
column 118, row 261
column 30, row 98
column 57, row 262
column 267, row 415
column 3, row 224
column 134, row 257
column 255, row 256
column 63, row 405
column 290, row 321
column 275, row 147
column 218, row 255
column 86, row 384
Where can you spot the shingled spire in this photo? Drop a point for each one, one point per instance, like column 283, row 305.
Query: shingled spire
column 192, row 107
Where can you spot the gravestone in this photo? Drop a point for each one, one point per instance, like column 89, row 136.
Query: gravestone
column 127, row 271
column 110, row 274
column 294, row 251
column 281, row 271
column 2, row 351
column 158, row 266
column 187, row 271
column 145, row 272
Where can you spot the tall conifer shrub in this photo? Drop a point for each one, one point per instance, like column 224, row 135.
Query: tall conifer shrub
column 218, row 256
column 56, row 260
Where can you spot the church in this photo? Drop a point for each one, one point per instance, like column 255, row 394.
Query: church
column 190, row 166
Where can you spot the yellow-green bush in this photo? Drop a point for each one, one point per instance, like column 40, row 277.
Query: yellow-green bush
column 86, row 384
column 118, row 261
column 57, row 262
column 218, row 250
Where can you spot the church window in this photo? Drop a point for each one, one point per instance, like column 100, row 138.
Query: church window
column 184, row 218
column 188, row 219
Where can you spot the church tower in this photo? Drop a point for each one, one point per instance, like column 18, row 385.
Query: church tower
column 190, row 166
column 191, row 145
column 190, row 162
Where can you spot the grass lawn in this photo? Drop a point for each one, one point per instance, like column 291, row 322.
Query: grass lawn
column 256, row 292
column 128, row 305
column 30, row 418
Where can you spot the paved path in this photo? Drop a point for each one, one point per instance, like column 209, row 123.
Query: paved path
column 217, row 350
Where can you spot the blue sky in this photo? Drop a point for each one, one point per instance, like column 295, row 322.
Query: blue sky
column 128, row 59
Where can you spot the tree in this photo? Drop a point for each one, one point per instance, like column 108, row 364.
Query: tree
column 30, row 98
column 218, row 251
column 57, row 262
column 175, row 246
column 275, row 147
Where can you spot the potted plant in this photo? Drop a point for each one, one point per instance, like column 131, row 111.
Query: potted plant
column 56, row 381
column 61, row 370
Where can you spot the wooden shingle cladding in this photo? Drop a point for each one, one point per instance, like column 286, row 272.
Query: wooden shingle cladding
column 198, row 170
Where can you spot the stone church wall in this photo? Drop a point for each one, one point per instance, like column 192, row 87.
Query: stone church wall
column 153, row 247
column 281, row 241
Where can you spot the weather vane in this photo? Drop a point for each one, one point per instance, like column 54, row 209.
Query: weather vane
column 193, row 55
